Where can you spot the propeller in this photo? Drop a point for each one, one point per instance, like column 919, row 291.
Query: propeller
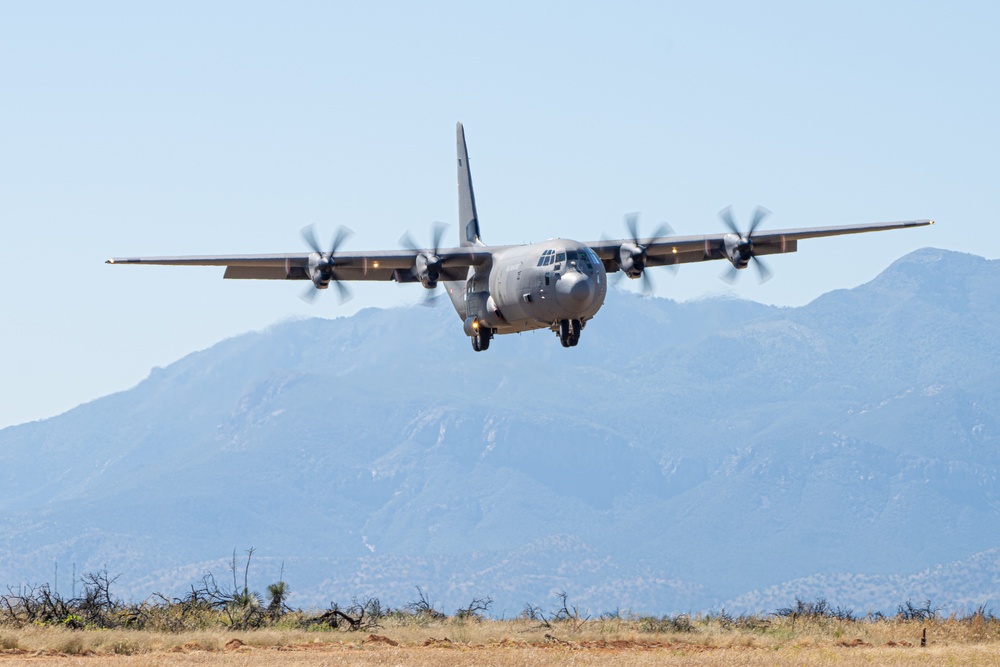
column 427, row 264
column 740, row 250
column 321, row 269
column 632, row 255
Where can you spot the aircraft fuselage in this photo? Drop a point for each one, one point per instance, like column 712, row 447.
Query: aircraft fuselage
column 534, row 286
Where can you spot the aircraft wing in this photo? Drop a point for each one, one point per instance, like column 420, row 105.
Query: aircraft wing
column 368, row 265
column 684, row 249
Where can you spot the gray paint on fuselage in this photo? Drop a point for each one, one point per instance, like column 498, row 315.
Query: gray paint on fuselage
column 521, row 294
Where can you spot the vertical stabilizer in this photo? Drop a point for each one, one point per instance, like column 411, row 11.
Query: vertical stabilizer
column 468, row 221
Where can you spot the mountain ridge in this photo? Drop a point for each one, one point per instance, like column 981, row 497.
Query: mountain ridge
column 675, row 434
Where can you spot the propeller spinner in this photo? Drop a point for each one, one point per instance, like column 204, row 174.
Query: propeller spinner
column 632, row 254
column 321, row 267
column 739, row 246
column 427, row 265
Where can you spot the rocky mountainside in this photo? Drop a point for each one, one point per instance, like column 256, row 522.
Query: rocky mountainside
column 684, row 456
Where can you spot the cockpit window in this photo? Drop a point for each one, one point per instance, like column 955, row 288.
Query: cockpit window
column 547, row 258
column 584, row 258
column 561, row 257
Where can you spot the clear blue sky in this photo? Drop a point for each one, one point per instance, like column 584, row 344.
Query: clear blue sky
column 201, row 128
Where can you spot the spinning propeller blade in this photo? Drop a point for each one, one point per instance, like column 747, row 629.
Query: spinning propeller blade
column 325, row 265
column 745, row 246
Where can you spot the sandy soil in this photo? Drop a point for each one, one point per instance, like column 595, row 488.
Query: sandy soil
column 380, row 650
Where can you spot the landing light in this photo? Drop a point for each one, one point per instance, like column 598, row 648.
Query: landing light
column 475, row 325
column 675, row 251
column 375, row 264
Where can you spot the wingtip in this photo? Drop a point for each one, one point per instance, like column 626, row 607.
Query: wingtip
column 109, row 261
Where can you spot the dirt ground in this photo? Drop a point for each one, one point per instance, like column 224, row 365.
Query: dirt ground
column 378, row 650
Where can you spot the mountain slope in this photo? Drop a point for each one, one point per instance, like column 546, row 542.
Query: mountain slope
column 683, row 454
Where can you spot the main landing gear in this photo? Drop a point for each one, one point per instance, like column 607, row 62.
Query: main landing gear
column 569, row 332
column 481, row 339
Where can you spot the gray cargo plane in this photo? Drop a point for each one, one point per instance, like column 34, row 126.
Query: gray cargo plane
column 558, row 284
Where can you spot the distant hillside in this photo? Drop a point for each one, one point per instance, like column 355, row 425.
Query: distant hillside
column 683, row 455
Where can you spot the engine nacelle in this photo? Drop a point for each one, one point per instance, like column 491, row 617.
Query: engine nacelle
column 320, row 270
column 427, row 269
column 632, row 260
column 738, row 250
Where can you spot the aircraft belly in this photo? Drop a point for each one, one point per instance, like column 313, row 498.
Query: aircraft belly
column 521, row 326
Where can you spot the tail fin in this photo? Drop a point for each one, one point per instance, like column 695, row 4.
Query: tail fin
column 468, row 221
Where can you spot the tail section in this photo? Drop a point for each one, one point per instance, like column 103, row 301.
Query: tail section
column 468, row 221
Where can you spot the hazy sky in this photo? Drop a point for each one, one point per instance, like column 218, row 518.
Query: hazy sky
column 202, row 128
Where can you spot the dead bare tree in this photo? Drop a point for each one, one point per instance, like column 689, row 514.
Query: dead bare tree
column 535, row 614
column 569, row 614
column 359, row 615
column 475, row 610
column 422, row 607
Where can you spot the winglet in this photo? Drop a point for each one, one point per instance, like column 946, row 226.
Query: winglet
column 468, row 221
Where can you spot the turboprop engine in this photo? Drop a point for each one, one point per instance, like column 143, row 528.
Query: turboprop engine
column 427, row 269
column 632, row 254
column 427, row 264
column 321, row 267
column 738, row 246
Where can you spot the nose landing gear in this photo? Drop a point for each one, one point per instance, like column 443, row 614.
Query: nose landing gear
column 569, row 332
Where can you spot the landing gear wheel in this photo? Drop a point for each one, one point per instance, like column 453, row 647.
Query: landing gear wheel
column 569, row 332
column 574, row 333
column 481, row 341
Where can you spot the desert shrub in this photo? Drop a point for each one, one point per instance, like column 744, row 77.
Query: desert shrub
column 820, row 609
column 749, row 622
column 475, row 610
column 664, row 624
column 71, row 644
column 535, row 615
column 422, row 610
column 910, row 612
column 365, row 614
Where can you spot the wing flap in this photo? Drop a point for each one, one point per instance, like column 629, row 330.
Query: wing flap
column 262, row 273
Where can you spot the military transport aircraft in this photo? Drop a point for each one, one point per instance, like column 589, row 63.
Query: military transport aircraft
column 558, row 284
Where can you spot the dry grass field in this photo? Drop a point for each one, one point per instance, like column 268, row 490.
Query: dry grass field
column 223, row 625
column 768, row 640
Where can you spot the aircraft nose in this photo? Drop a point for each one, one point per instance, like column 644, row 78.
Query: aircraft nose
column 575, row 291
